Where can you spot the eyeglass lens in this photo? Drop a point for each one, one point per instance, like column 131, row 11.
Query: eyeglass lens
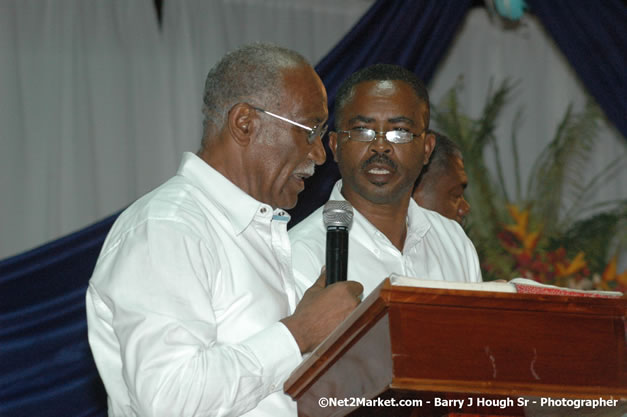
column 368, row 135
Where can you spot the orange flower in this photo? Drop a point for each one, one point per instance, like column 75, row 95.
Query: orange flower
column 521, row 220
column 610, row 270
column 610, row 273
column 577, row 264
column 529, row 240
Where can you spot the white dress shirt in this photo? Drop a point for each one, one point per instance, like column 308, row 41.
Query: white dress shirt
column 184, row 305
column 435, row 248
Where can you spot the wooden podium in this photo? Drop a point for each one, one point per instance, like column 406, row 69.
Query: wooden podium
column 438, row 347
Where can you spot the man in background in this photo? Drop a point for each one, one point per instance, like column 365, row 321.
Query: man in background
column 442, row 182
column 381, row 144
column 192, row 308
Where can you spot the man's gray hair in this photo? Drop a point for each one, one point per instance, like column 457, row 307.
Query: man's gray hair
column 250, row 73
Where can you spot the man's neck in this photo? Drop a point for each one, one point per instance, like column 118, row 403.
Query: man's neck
column 389, row 219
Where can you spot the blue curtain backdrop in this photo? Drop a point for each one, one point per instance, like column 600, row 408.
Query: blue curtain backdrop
column 593, row 37
column 45, row 362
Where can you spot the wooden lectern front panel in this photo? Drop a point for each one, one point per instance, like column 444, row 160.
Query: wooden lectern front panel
column 497, row 346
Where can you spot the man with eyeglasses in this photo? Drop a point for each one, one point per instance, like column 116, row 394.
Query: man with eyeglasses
column 381, row 144
column 192, row 308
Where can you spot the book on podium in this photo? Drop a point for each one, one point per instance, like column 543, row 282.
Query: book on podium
column 433, row 348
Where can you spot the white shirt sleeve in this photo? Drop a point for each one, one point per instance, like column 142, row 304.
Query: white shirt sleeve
column 153, row 312
column 473, row 266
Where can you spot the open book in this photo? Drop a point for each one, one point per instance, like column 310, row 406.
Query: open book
column 516, row 285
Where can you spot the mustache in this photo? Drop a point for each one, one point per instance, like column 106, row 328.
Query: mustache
column 379, row 158
column 307, row 170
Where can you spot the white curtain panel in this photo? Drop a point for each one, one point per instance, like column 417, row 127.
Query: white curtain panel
column 81, row 86
column 97, row 103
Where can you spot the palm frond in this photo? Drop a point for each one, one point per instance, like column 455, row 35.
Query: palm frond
column 585, row 194
column 491, row 111
column 515, row 126
column 558, row 173
column 590, row 236
column 472, row 136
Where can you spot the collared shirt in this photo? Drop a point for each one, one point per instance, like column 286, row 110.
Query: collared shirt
column 435, row 248
column 184, row 305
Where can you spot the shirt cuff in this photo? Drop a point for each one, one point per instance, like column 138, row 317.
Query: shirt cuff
column 278, row 353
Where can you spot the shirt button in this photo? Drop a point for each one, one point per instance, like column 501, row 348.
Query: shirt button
column 263, row 210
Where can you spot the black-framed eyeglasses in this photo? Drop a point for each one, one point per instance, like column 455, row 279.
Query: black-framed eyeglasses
column 315, row 132
column 364, row 134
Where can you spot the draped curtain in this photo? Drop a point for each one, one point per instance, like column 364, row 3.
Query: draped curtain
column 594, row 40
column 45, row 361
column 97, row 103
column 82, row 86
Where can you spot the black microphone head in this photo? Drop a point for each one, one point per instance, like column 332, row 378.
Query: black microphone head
column 337, row 213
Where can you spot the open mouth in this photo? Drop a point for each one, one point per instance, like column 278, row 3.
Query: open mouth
column 379, row 164
column 378, row 171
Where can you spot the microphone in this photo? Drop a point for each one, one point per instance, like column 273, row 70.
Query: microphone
column 338, row 217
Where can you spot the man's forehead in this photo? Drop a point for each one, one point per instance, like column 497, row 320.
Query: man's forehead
column 305, row 89
column 382, row 88
column 458, row 164
column 457, row 171
column 395, row 101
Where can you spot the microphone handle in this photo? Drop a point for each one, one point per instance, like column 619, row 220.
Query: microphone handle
column 337, row 254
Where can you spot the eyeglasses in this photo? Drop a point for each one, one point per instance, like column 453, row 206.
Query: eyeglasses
column 362, row 134
column 315, row 132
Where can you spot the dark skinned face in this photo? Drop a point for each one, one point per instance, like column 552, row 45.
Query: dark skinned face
column 380, row 172
column 282, row 153
column 443, row 191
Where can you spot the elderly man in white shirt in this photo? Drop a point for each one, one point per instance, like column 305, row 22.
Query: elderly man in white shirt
column 382, row 114
column 192, row 308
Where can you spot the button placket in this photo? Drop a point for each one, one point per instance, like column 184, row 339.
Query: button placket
column 282, row 249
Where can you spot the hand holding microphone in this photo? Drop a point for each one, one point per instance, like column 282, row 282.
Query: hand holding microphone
column 321, row 309
column 338, row 217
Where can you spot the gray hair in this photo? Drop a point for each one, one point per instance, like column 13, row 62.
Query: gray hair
column 251, row 72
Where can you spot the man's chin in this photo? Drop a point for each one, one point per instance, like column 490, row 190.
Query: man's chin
column 288, row 202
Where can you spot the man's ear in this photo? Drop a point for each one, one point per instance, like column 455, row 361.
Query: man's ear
column 333, row 144
column 429, row 145
column 242, row 123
